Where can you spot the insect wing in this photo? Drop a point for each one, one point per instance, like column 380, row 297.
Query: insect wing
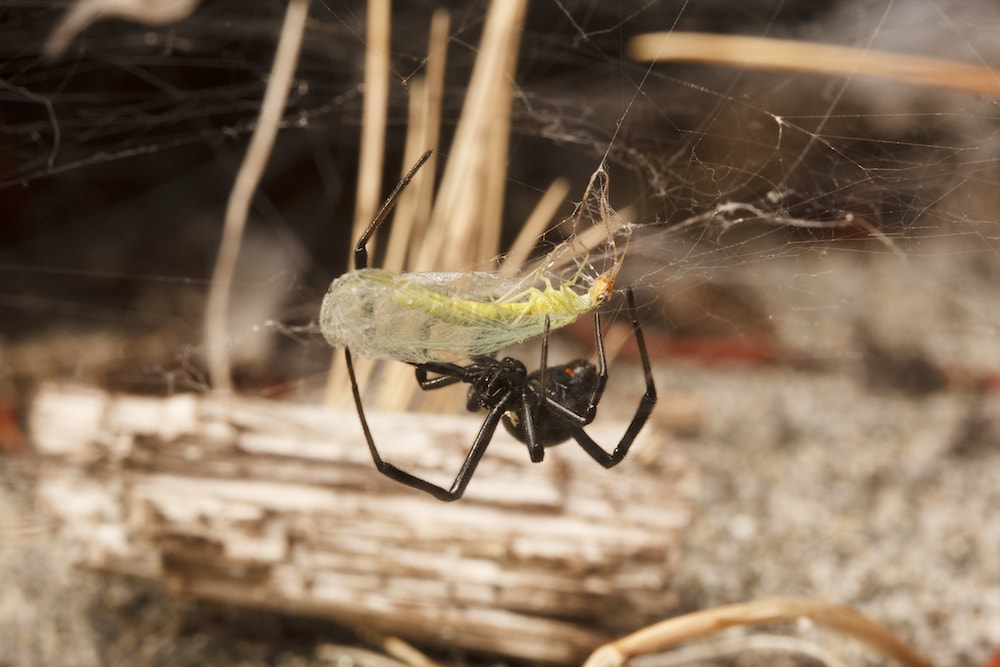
column 421, row 317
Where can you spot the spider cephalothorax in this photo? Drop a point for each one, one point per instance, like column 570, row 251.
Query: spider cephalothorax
column 492, row 382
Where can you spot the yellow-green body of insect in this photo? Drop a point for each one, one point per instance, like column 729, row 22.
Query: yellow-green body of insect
column 422, row 317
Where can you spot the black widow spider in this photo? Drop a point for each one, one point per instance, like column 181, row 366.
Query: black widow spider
column 511, row 395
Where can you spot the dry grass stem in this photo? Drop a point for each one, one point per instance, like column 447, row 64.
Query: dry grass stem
column 468, row 207
column 340, row 654
column 437, row 58
column 736, row 646
column 83, row 13
column 469, row 204
column 838, row 618
column 812, row 58
column 476, row 172
column 541, row 216
column 406, row 653
column 374, row 111
column 404, row 216
column 247, row 180
column 395, row 391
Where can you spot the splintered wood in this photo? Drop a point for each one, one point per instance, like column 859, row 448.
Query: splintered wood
column 278, row 506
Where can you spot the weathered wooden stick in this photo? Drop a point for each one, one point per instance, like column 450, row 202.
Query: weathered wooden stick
column 278, row 506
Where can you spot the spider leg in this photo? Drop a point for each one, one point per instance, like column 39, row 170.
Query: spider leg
column 479, row 445
column 559, row 410
column 642, row 412
column 449, row 374
column 528, row 406
column 602, row 363
column 361, row 249
column 543, row 364
column 530, row 401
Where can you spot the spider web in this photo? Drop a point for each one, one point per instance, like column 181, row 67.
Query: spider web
column 756, row 192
